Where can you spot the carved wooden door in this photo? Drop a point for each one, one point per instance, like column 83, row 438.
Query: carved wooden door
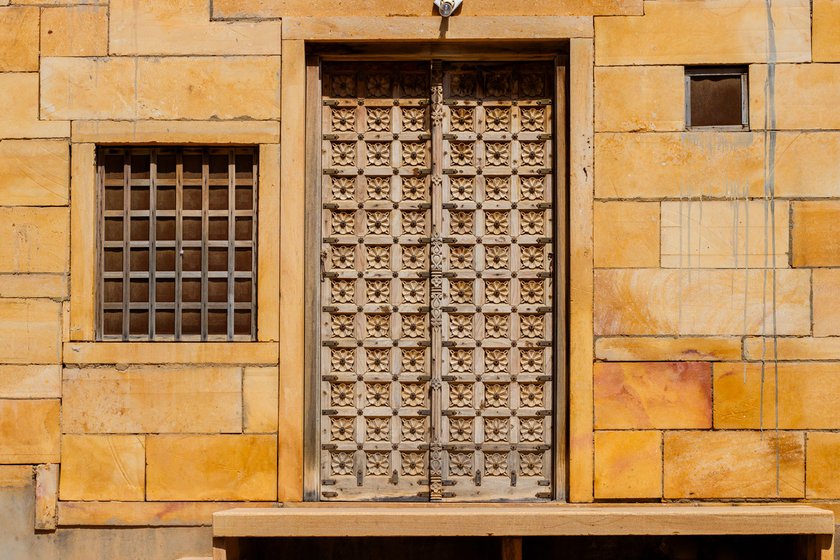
column 436, row 297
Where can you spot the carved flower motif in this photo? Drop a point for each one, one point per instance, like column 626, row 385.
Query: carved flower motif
column 460, row 326
column 342, row 325
column 532, row 188
column 496, row 429
column 378, row 463
column 461, row 222
column 342, row 256
column 531, row 361
column 497, row 291
column 496, row 223
column 343, row 188
column 378, row 394
column 461, row 153
column 343, row 153
column 496, row 394
column 532, row 84
column 531, row 464
column 413, row 222
column 378, row 188
column 463, row 85
column 414, row 256
column 460, row 429
column 413, row 429
column 378, row 153
column 342, row 291
column 497, row 257
column 531, row 291
column 378, row 85
column 412, row 464
column 413, row 360
column 342, row 360
column 413, row 153
column 378, row 256
column 531, row 256
column 496, row 326
column 413, row 119
column 343, row 223
column 531, row 395
column 461, row 188
column 462, row 119
column 532, row 153
column 413, row 325
column 341, row 463
column 496, row 360
column 497, row 188
column 460, row 394
column 460, row 464
column 378, row 119
column 414, row 291
column 497, row 84
column 460, row 361
column 378, row 222
column 531, row 429
column 497, row 119
column 378, row 291
column 378, row 326
column 461, row 291
column 531, row 326
column 377, row 360
column 341, row 394
column 377, row 429
column 343, row 119
column 341, row 429
column 497, row 153
column 413, row 394
column 460, row 256
column 495, row 464
column 413, row 188
column 343, row 85
column 533, row 119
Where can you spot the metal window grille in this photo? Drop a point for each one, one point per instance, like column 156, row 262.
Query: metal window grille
column 177, row 243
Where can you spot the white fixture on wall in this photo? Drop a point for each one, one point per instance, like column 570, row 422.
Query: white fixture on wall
column 447, row 7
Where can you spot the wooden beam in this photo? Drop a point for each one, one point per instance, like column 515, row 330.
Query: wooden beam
column 511, row 548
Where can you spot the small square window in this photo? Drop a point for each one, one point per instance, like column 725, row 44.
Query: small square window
column 716, row 96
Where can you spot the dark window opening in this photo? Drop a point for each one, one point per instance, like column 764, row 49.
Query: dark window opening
column 716, row 97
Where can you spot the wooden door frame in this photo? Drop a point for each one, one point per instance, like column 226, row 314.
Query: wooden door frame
column 558, row 53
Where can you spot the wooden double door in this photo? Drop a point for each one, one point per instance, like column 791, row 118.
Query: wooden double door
column 437, row 316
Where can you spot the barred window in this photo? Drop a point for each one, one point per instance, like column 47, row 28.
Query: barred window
column 716, row 96
column 177, row 243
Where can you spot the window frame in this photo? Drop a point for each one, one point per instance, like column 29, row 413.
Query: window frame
column 718, row 71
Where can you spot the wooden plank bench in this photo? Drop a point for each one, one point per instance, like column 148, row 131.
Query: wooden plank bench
column 521, row 520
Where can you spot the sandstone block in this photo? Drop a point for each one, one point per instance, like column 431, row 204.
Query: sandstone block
column 805, row 96
column 823, row 463
column 171, row 353
column 211, row 467
column 199, row 88
column 806, row 395
column 33, row 285
column 153, row 400
column 46, row 497
column 791, row 348
column 19, row 39
column 259, row 396
column 816, row 233
column 30, row 331
column 29, row 431
column 628, row 465
column 826, row 302
column 807, row 164
column 33, row 239
column 826, row 22
column 671, row 302
column 74, row 31
column 15, row 476
column 652, row 349
column 30, row 382
column 727, row 465
column 103, row 468
column 639, row 98
column 730, row 234
column 34, row 172
column 679, row 165
column 177, row 132
column 145, row 514
column 20, row 90
column 705, row 32
column 626, row 234
column 642, row 395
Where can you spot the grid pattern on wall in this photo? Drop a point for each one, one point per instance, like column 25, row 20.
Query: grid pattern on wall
column 177, row 243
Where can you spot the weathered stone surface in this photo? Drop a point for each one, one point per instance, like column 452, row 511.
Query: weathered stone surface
column 701, row 302
column 823, row 463
column 33, row 285
column 643, row 395
column 30, row 331
column 34, row 172
column 15, row 476
column 652, row 349
column 30, row 382
column 805, row 97
column 706, row 32
column 259, row 396
column 826, row 309
column 156, row 400
column 245, row 353
column 29, row 431
column 19, row 39
column 213, row 467
column 807, row 164
column 33, row 239
column 626, row 234
column 718, row 234
column 46, row 497
column 199, row 88
column 103, row 468
column 791, row 348
column 628, row 465
column 639, row 98
column 734, row 465
column 177, row 132
column 147, row 514
column 807, row 395
column 184, row 27
column 19, row 91
column 826, row 22
column 679, row 165
column 75, row 31
column 816, row 233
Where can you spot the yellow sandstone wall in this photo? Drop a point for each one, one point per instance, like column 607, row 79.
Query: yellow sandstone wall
column 694, row 327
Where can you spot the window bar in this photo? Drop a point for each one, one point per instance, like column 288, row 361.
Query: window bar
column 205, row 239
column 100, row 253
column 231, row 241
column 126, row 244
column 152, row 240
column 179, row 205
column 253, row 218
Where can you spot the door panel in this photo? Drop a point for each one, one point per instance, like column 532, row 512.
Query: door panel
column 436, row 284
